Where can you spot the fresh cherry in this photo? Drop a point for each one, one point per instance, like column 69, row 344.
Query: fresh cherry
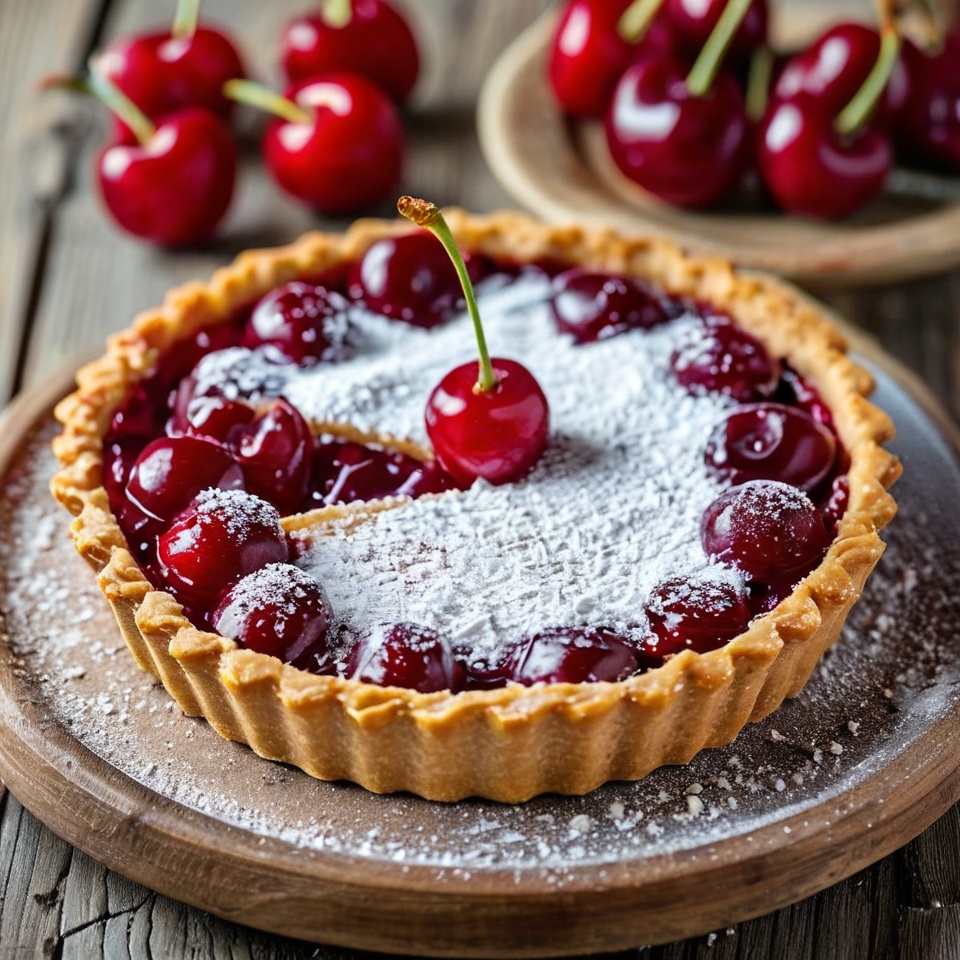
column 336, row 142
column 492, row 422
column 344, row 472
column 305, row 322
column 406, row 655
column 593, row 44
column 166, row 71
column 765, row 528
column 221, row 536
column 718, row 356
column 574, row 655
column 408, row 277
column 281, row 611
column 770, row 441
column 275, row 451
column 695, row 613
column 593, row 306
column 369, row 37
column 694, row 20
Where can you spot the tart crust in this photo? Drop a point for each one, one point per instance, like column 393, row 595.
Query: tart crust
column 515, row 742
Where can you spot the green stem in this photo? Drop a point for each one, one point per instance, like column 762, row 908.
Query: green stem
column 256, row 95
column 858, row 111
column 758, row 82
column 428, row 215
column 704, row 70
column 336, row 13
column 186, row 19
column 635, row 21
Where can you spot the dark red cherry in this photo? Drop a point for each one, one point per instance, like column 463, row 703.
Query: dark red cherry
column 497, row 434
column 770, row 441
column 279, row 610
column 408, row 277
column 275, row 452
column 592, row 306
column 720, row 357
column 368, row 37
column 306, row 323
column 697, row 613
column 692, row 22
column 588, row 54
column 213, row 418
column 406, row 655
column 171, row 471
column 223, row 535
column 342, row 150
column 811, row 169
column 835, row 506
column 344, row 472
column 575, row 655
column 765, row 528
column 690, row 150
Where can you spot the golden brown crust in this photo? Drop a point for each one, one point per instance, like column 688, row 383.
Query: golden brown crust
column 512, row 743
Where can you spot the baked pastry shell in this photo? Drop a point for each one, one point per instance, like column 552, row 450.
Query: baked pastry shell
column 512, row 743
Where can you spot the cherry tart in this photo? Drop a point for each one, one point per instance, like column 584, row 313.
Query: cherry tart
column 252, row 479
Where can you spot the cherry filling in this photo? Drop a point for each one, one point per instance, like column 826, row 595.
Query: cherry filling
column 206, row 454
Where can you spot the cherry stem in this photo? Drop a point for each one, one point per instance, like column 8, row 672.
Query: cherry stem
column 257, row 95
column 707, row 65
column 186, row 19
column 635, row 21
column 336, row 13
column 427, row 215
column 758, row 82
column 861, row 106
column 102, row 88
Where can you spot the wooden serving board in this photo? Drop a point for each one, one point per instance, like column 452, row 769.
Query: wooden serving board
column 862, row 761
column 561, row 171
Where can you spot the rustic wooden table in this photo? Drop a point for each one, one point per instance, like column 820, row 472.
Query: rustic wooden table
column 68, row 278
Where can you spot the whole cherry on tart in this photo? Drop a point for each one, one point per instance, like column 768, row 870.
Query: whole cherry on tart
column 681, row 133
column 306, row 323
column 279, row 610
column 186, row 66
column 169, row 182
column 369, row 37
column 765, row 528
column 823, row 163
column 574, row 655
column 490, row 423
column 336, row 142
column 220, row 537
column 406, row 655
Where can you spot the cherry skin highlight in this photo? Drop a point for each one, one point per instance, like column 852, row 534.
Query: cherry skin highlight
column 497, row 434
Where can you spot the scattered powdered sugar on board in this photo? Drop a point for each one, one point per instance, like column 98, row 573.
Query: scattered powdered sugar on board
column 895, row 671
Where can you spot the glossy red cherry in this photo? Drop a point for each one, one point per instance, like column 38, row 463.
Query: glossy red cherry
column 369, row 37
column 687, row 149
column 770, row 441
column 835, row 505
column 408, row 277
column 281, row 611
column 171, row 471
column 692, row 22
column 765, row 528
column 593, row 306
column 305, row 322
column 212, row 418
column 574, row 655
column 927, row 123
column 589, row 52
column 223, row 535
column 275, row 451
column 406, row 655
column 719, row 356
column 174, row 187
column 695, row 613
column 344, row 472
column 337, row 144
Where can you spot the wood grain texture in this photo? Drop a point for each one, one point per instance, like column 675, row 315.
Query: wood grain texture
column 59, row 257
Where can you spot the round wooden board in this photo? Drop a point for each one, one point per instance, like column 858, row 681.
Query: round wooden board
column 863, row 760
column 561, row 171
